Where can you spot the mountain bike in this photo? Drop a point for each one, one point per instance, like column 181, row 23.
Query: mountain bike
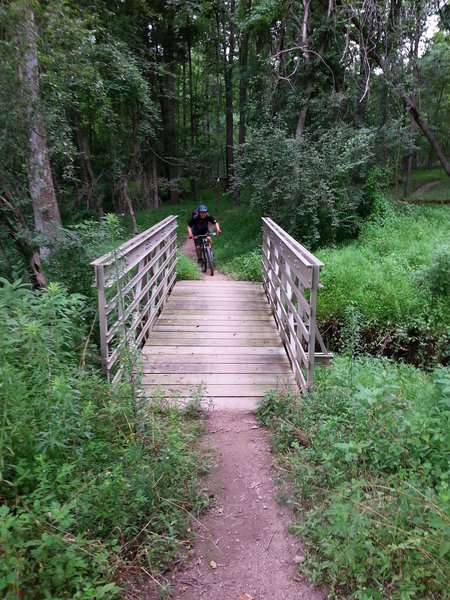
column 206, row 254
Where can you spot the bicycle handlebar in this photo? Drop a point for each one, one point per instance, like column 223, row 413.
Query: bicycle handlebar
column 200, row 235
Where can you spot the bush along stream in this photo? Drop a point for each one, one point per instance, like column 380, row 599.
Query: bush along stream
column 366, row 456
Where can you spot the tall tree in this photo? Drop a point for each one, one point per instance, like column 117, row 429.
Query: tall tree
column 228, row 57
column 45, row 207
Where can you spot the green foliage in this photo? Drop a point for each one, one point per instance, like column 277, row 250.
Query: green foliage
column 247, row 266
column 368, row 462
column 378, row 203
column 186, row 269
column 388, row 274
column 90, row 476
column 438, row 273
column 307, row 185
column 77, row 246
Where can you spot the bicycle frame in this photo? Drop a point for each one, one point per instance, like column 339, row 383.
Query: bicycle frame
column 206, row 252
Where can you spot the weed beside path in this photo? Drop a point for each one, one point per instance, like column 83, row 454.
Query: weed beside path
column 367, row 456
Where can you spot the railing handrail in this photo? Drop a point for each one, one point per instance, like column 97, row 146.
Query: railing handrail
column 144, row 274
column 289, row 268
column 302, row 253
column 108, row 258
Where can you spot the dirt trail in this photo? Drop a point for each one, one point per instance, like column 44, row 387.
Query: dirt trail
column 243, row 550
column 425, row 187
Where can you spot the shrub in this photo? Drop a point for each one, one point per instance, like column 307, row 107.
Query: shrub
column 308, row 185
column 76, row 247
column 90, row 476
column 438, row 274
column 370, row 473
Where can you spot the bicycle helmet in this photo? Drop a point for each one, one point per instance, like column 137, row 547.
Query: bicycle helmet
column 202, row 208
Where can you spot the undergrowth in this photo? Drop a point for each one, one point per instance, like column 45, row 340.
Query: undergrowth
column 186, row 268
column 395, row 274
column 94, row 480
column 367, row 456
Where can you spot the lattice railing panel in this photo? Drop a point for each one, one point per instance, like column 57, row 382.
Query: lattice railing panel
column 291, row 280
column 133, row 283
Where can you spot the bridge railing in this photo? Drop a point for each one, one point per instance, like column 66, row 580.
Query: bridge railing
column 291, row 278
column 133, row 283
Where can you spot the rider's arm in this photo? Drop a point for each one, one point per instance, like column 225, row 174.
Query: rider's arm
column 189, row 230
column 218, row 230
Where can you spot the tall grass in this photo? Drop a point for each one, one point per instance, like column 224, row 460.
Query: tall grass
column 387, row 275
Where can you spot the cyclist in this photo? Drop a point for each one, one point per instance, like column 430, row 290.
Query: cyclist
column 199, row 225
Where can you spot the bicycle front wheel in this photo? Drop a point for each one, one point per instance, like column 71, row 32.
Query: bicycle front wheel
column 204, row 260
column 210, row 260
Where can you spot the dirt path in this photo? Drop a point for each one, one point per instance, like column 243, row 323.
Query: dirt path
column 243, row 550
column 425, row 187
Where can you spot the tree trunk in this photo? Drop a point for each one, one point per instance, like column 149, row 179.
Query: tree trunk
column 191, row 115
column 93, row 193
column 228, row 77
column 169, row 115
column 87, row 187
column 218, row 112
column 414, row 53
column 426, row 131
column 435, row 123
column 309, row 86
column 407, row 182
column 243, row 60
column 126, row 200
column 184, row 104
column 47, row 219
column 304, row 111
column 156, row 198
column 13, row 220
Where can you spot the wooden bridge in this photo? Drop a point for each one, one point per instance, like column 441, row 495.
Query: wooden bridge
column 230, row 341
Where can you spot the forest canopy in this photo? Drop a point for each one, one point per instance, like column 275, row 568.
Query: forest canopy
column 296, row 107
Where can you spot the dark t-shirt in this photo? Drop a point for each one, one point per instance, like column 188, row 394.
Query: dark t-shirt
column 200, row 226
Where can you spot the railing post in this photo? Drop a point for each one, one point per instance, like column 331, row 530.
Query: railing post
column 312, row 328
column 100, row 281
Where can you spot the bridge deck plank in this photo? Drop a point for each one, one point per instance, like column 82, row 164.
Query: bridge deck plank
column 220, row 335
